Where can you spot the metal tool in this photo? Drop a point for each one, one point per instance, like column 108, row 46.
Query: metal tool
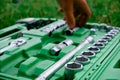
column 99, row 45
column 57, row 48
column 110, row 35
column 51, row 70
column 102, row 41
column 113, row 33
column 82, row 59
column 89, row 54
column 71, row 68
column 53, row 27
column 14, row 43
column 107, row 38
column 115, row 30
column 69, row 31
column 94, row 49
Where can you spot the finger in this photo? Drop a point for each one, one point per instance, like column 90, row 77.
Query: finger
column 67, row 6
column 78, row 13
column 78, row 16
column 82, row 20
column 84, row 7
column 69, row 17
column 64, row 18
column 82, row 12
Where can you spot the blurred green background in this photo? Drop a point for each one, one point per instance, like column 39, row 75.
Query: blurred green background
column 103, row 11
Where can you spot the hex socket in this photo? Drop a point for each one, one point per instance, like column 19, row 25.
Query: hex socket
column 82, row 59
column 94, row 49
column 103, row 41
column 110, row 35
column 99, row 45
column 113, row 33
column 58, row 47
column 115, row 30
column 107, row 38
column 89, row 54
column 71, row 68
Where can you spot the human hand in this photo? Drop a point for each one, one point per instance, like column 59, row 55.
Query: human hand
column 76, row 12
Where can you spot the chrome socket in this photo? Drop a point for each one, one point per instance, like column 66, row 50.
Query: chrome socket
column 89, row 54
column 71, row 68
column 57, row 48
column 68, row 42
column 115, row 30
column 69, row 32
column 53, row 27
column 15, row 43
column 94, row 49
column 99, row 45
column 110, row 35
column 103, row 41
column 82, row 59
column 107, row 38
column 113, row 33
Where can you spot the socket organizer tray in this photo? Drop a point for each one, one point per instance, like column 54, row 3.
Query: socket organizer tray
column 44, row 49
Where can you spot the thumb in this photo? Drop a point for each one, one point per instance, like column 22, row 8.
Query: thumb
column 70, row 19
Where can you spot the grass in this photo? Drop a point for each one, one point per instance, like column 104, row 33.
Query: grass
column 103, row 11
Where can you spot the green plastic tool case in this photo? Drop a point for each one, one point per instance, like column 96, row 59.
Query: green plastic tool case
column 39, row 49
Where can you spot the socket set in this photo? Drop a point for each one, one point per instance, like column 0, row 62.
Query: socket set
column 45, row 49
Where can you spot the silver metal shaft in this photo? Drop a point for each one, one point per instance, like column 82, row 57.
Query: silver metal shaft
column 6, row 48
column 51, row 70
column 16, row 42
